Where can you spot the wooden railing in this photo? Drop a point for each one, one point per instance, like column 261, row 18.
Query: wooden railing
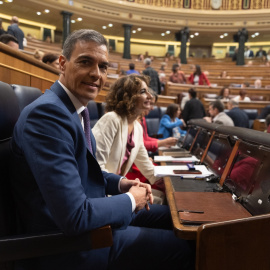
column 202, row 90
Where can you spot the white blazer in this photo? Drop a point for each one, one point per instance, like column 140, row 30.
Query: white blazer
column 111, row 133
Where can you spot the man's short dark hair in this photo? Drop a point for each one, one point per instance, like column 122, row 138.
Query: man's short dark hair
column 192, row 92
column 6, row 38
column 49, row 57
column 82, row 35
column 217, row 104
column 174, row 67
column 131, row 66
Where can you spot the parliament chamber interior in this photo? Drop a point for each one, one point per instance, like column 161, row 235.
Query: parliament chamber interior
column 227, row 210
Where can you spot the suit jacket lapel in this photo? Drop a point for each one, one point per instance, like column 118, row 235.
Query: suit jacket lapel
column 61, row 93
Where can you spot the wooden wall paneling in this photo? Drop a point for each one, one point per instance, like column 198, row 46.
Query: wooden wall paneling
column 41, row 83
column 14, row 77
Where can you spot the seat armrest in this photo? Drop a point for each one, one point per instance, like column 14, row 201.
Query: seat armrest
column 29, row 246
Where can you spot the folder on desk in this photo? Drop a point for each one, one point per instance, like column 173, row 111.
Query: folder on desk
column 205, row 207
column 175, row 159
column 161, row 171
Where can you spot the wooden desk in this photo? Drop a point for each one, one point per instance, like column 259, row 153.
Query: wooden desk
column 180, row 230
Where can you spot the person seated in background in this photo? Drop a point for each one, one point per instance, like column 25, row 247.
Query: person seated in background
column 163, row 80
column 258, row 83
column 10, row 40
column 152, row 144
column 223, row 75
column 132, row 69
column 170, row 124
column 51, row 59
column 224, row 93
column 261, row 52
column 193, row 108
column 245, row 85
column 58, row 186
column 239, row 117
column 140, row 58
column 248, row 52
column 217, row 114
column 167, row 57
column 118, row 134
column 162, row 68
column 198, row 77
column 242, row 96
column 177, row 75
column 38, row 55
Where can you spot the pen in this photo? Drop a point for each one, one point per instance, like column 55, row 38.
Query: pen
column 191, row 211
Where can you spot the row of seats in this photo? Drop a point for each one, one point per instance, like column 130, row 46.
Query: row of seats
column 153, row 119
column 13, row 98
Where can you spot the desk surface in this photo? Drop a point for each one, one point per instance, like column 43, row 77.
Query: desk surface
column 183, row 231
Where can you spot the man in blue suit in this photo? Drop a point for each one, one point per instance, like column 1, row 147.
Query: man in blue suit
column 16, row 31
column 59, row 185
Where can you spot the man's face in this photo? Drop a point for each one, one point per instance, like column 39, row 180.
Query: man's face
column 212, row 111
column 86, row 72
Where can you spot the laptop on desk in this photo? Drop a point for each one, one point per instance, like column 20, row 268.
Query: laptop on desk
column 247, row 190
column 182, row 148
column 215, row 160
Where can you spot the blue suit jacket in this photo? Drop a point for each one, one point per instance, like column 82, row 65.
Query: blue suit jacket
column 17, row 32
column 56, row 180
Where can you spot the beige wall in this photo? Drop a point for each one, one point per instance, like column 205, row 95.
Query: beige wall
column 220, row 49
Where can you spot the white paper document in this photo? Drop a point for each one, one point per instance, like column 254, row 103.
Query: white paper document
column 171, row 159
column 168, row 148
column 161, row 171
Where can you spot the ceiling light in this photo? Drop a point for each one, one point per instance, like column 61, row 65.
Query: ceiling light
column 38, row 13
column 1, row 2
column 139, row 29
column 253, row 36
column 10, row 1
column 221, row 36
column 73, row 21
column 256, row 34
column 134, row 31
column 225, row 34
column 104, row 27
column 79, row 19
column 47, row 11
column 192, row 36
column 70, row 2
column 168, row 32
column 196, row 34
column 110, row 25
column 163, row 34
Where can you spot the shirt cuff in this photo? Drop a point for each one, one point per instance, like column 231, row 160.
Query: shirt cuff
column 133, row 202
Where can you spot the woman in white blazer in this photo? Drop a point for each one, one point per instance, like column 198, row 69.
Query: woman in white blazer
column 118, row 134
